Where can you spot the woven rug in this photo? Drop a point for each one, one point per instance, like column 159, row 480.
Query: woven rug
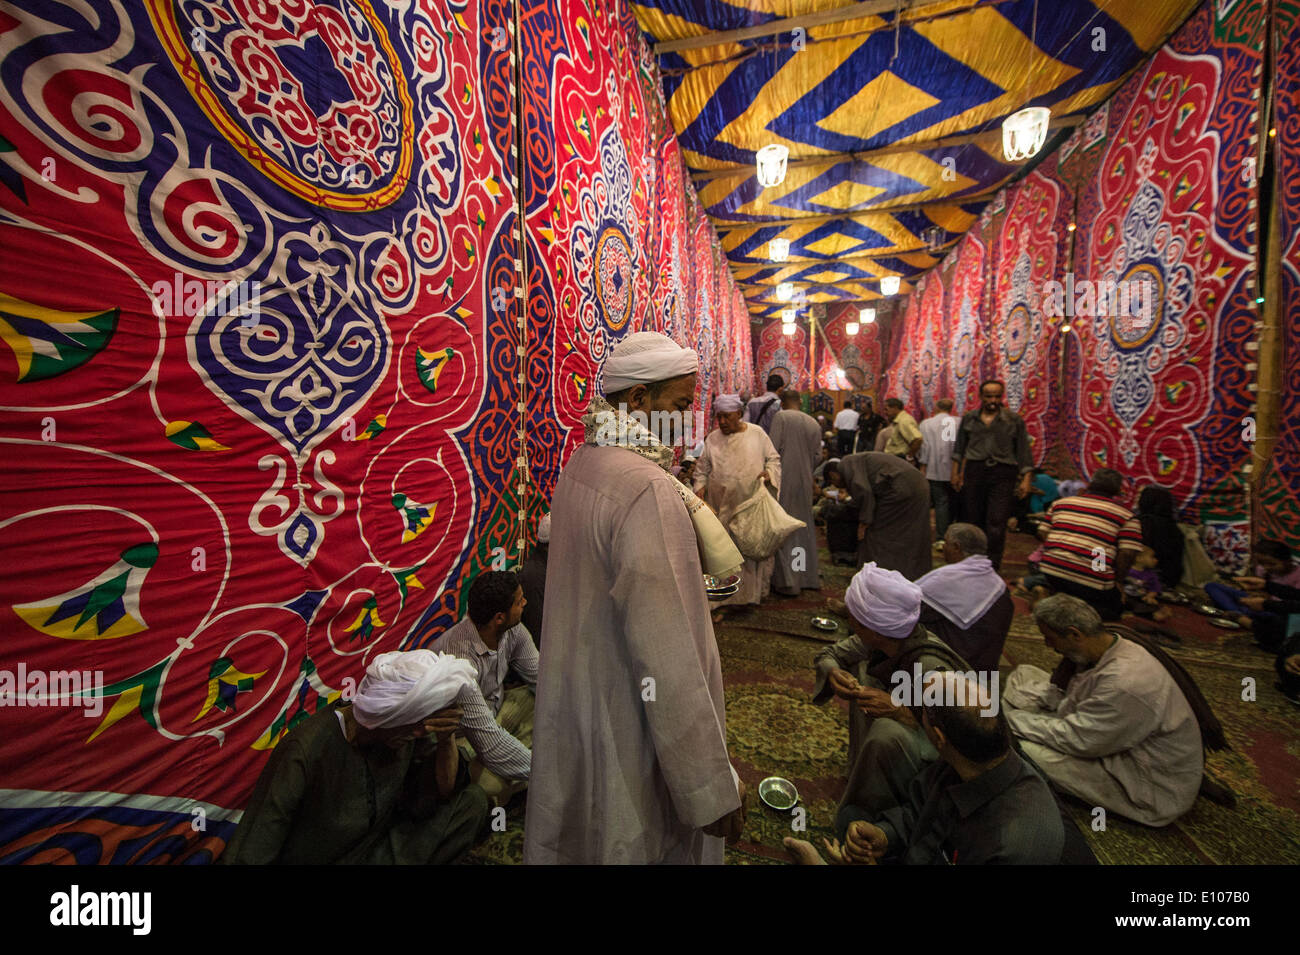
column 774, row 729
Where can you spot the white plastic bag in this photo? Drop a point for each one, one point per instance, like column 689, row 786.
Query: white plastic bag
column 758, row 524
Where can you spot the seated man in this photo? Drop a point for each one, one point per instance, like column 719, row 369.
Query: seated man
column 1118, row 733
column 1089, row 543
column 867, row 669
column 364, row 783
column 1274, row 569
column 965, row 603
column 979, row 804
column 497, row 722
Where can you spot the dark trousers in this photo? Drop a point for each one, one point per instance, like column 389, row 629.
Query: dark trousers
column 1109, row 603
column 988, row 496
column 941, row 499
column 844, row 441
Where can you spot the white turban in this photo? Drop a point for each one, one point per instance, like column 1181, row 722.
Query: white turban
column 544, row 529
column 884, row 601
column 645, row 357
column 402, row 688
column 727, row 403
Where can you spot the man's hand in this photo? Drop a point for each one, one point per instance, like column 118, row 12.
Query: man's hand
column 1022, row 489
column 862, row 531
column 865, row 843
column 844, row 684
column 1255, row 602
column 956, row 481
column 875, row 702
column 765, row 478
column 835, row 852
column 732, row 825
column 1250, row 583
column 444, row 723
column 1292, row 664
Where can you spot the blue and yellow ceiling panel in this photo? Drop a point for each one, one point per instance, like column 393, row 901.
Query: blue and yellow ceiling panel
column 845, row 238
column 857, row 93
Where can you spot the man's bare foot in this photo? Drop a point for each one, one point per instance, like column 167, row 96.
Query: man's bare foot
column 803, row 853
column 718, row 615
column 1037, row 594
column 1247, row 622
column 835, row 605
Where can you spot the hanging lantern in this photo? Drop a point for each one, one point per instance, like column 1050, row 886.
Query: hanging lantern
column 889, row 285
column 1024, row 133
column 866, row 315
column 850, row 328
column 785, row 291
column 779, row 249
column 771, row 165
column 788, row 329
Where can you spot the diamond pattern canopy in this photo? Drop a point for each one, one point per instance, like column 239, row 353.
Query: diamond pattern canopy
column 892, row 111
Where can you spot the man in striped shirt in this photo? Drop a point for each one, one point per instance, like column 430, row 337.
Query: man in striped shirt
column 498, row 723
column 1089, row 544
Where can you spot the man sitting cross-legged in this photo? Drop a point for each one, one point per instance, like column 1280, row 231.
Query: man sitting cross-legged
column 365, row 783
column 887, row 746
column 965, row 603
column 498, row 723
column 980, row 804
column 1120, row 733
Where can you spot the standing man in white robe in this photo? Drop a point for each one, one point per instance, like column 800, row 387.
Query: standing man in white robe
column 798, row 439
column 630, row 760
column 736, row 456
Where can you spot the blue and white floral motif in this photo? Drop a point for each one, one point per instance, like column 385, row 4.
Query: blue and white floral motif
column 1134, row 344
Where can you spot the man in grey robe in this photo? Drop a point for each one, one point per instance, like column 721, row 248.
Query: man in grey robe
column 630, row 760
column 798, row 440
column 893, row 501
column 1121, row 734
column 887, row 746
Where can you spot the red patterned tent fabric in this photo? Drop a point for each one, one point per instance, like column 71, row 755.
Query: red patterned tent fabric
column 1159, row 185
column 282, row 374
column 1279, row 494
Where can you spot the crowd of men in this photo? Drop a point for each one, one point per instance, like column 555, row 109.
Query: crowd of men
column 598, row 691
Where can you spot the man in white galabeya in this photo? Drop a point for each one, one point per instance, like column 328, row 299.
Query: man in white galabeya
column 630, row 760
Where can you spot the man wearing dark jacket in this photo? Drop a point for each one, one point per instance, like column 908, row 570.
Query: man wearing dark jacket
column 980, row 804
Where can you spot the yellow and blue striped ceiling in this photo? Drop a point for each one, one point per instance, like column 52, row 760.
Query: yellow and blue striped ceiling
column 892, row 112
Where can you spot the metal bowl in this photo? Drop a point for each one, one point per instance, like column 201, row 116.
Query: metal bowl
column 825, row 623
column 721, row 583
column 778, row 793
column 1225, row 623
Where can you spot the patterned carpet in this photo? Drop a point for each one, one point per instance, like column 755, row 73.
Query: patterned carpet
column 773, row 728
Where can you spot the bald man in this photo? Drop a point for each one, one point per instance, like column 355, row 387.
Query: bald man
column 979, row 804
column 886, row 745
